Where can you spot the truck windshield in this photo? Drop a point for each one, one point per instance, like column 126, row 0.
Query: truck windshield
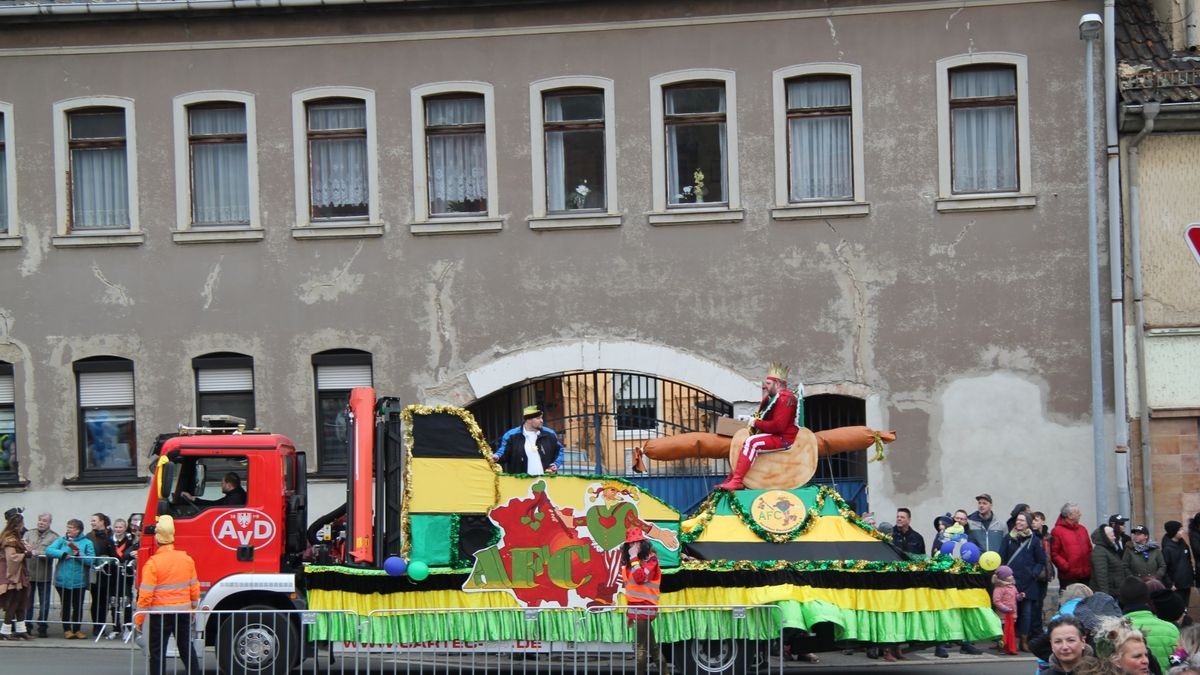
column 202, row 482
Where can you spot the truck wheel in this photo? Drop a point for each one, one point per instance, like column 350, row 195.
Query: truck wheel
column 260, row 641
column 710, row 657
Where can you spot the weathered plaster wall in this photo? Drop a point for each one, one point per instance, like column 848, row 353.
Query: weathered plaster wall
column 951, row 324
column 1168, row 166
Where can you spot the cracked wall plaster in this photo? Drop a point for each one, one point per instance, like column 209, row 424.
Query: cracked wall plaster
column 331, row 285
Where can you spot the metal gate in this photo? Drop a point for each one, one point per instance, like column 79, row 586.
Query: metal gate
column 601, row 415
column 846, row 473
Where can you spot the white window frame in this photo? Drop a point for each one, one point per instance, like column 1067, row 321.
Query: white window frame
column 423, row 223
column 1023, row 197
column 304, row 227
column 732, row 212
column 537, row 152
column 184, row 232
column 838, row 208
column 631, row 434
column 12, row 237
column 131, row 236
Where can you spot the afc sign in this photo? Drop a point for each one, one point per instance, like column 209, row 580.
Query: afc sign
column 243, row 527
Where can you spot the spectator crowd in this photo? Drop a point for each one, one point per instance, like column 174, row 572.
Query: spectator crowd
column 1122, row 600
column 75, row 568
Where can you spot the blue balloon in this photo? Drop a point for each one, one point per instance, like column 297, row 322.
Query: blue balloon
column 395, row 566
column 970, row 553
column 947, row 548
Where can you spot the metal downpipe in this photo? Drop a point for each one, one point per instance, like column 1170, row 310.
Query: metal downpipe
column 1116, row 262
column 1149, row 112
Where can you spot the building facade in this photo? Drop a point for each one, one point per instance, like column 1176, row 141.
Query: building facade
column 1159, row 80
column 235, row 209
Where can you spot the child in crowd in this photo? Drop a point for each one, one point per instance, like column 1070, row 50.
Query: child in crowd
column 1004, row 601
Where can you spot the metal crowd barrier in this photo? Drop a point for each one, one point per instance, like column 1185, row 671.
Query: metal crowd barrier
column 541, row 640
column 97, row 602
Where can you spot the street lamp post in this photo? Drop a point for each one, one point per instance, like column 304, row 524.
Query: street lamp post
column 1090, row 26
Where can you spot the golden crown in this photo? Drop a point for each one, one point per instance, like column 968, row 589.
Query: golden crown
column 778, row 371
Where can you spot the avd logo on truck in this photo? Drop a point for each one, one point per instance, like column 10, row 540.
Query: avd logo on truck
column 243, row 527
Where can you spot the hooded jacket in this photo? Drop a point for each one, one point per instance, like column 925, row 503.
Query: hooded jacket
column 1108, row 570
column 1071, row 551
column 72, row 568
column 1160, row 635
column 1148, row 562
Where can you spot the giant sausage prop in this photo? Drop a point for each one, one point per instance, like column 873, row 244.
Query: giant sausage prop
column 784, row 469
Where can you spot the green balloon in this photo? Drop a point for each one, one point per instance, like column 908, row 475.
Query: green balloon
column 417, row 570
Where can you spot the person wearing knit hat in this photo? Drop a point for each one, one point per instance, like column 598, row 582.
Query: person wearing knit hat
column 1004, row 600
column 1178, row 556
column 772, row 428
column 1168, row 606
column 1161, row 636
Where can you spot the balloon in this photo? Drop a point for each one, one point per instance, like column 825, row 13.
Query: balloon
column 969, row 553
column 989, row 561
column 395, row 566
column 417, row 570
column 947, row 548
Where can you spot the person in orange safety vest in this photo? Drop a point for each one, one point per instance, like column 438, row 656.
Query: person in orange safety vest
column 167, row 593
column 642, row 578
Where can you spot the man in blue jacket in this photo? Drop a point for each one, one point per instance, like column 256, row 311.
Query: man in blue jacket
column 530, row 448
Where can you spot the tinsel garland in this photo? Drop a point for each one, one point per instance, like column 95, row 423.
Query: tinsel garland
column 704, row 513
column 848, row 513
column 766, row 535
column 938, row 564
column 485, row 451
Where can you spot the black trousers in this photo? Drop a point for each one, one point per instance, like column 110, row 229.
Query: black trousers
column 102, row 592
column 161, row 628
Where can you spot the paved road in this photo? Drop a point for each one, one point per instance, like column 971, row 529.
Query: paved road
column 112, row 658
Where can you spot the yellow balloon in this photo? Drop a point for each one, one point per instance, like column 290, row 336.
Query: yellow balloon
column 989, row 561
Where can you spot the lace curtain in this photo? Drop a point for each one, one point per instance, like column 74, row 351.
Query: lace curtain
column 339, row 183
column 457, row 161
column 820, row 155
column 99, row 188
column 984, row 138
column 220, row 179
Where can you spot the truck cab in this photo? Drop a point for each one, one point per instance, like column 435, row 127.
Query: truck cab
column 238, row 498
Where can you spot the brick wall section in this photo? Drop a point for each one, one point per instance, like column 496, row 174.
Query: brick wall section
column 1175, row 469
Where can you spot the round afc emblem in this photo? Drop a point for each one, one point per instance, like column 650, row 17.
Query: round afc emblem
column 778, row 511
column 243, row 527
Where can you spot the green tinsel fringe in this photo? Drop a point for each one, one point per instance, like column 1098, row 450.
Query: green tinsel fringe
column 752, row 623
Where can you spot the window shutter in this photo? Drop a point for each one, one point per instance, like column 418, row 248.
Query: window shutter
column 225, row 379
column 104, row 390
column 343, row 377
column 6, row 389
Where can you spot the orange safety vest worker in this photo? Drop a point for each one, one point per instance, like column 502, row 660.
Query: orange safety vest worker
column 168, row 583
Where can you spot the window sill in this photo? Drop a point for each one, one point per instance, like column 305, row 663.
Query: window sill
column 696, row 216
column 805, row 211
column 100, row 238
column 208, row 235
column 10, row 241
column 337, row 231
column 580, row 221
column 986, row 202
column 329, row 476
column 457, row 226
column 11, row 484
column 115, row 482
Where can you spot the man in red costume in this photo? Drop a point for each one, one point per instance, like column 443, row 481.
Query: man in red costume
column 773, row 427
